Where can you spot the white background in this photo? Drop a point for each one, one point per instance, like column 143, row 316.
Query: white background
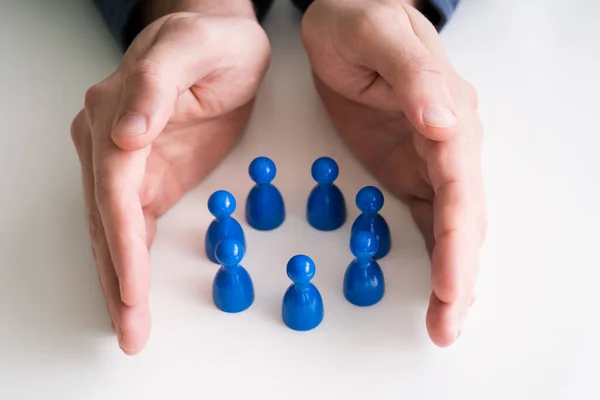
column 532, row 334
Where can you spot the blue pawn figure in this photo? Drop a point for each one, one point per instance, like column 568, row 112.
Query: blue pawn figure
column 363, row 280
column 369, row 201
column 221, row 205
column 264, row 206
column 326, row 208
column 233, row 290
column 302, row 308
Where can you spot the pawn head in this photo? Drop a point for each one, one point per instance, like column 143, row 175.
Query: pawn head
column 300, row 269
column 363, row 245
column 221, row 204
column 369, row 199
column 229, row 252
column 324, row 170
column 262, row 170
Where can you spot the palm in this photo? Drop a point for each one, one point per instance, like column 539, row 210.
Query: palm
column 375, row 76
column 188, row 149
column 384, row 141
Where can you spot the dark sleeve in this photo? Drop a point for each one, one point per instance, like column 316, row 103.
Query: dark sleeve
column 437, row 11
column 123, row 17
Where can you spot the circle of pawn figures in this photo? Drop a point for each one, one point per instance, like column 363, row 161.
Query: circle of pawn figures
column 302, row 305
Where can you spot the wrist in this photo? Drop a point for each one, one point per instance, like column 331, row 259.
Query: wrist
column 155, row 9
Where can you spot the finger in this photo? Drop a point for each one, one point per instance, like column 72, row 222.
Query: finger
column 443, row 321
column 118, row 176
column 146, row 103
column 428, row 36
column 134, row 328
column 150, row 229
column 422, row 212
column 459, row 223
column 81, row 135
column 418, row 81
column 451, row 258
column 132, row 324
column 459, row 209
column 458, row 240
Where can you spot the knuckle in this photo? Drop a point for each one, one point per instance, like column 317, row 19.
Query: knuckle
column 92, row 96
column 421, row 66
column 145, row 73
column 77, row 130
column 365, row 21
column 95, row 97
column 374, row 17
column 107, row 195
column 81, row 138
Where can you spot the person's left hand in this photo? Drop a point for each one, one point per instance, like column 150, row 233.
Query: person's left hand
column 382, row 74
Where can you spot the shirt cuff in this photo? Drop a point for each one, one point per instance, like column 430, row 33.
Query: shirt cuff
column 124, row 17
column 438, row 12
column 118, row 17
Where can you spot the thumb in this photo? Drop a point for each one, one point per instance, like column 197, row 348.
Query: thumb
column 152, row 84
column 418, row 82
column 147, row 101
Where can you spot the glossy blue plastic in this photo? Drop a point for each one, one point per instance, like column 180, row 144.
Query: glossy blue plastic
column 326, row 207
column 363, row 281
column 221, row 205
column 233, row 290
column 369, row 201
column 265, row 209
column 302, row 307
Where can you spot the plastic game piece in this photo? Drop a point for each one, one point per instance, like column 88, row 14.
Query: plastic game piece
column 363, row 281
column 265, row 209
column 302, row 307
column 233, row 290
column 221, row 205
column 369, row 201
column 326, row 207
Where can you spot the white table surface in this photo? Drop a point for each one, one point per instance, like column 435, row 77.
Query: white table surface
column 532, row 334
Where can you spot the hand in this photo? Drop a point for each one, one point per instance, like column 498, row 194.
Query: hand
column 152, row 130
column 382, row 74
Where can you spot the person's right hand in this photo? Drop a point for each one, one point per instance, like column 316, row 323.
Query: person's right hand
column 152, row 130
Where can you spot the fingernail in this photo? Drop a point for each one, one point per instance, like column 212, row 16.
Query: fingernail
column 121, row 336
column 439, row 117
column 121, row 290
column 131, row 125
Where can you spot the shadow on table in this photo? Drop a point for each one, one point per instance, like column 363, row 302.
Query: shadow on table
column 398, row 320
